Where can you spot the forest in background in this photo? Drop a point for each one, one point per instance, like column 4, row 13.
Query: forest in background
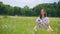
column 52, row 9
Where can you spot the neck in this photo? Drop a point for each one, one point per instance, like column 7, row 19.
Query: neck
column 42, row 16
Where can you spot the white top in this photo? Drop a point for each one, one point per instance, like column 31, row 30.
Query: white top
column 45, row 20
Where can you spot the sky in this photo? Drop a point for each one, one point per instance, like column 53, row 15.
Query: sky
column 30, row 3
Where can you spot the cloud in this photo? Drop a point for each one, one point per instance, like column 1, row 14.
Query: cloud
column 30, row 3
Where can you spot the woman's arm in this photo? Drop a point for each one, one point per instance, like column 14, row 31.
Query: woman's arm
column 35, row 27
column 47, row 24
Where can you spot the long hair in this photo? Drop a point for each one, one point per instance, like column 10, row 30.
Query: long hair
column 45, row 15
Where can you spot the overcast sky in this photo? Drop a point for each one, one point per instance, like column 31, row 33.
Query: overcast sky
column 30, row 3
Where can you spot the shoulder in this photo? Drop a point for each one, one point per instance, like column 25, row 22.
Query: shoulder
column 38, row 17
column 46, row 18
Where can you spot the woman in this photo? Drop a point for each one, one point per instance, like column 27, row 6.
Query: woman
column 42, row 21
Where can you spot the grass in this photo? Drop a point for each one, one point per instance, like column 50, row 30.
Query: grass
column 25, row 25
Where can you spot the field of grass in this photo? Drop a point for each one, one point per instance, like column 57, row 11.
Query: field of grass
column 25, row 25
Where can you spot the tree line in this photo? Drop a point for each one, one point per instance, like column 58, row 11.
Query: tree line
column 52, row 9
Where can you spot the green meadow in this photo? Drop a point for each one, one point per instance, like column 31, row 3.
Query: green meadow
column 25, row 25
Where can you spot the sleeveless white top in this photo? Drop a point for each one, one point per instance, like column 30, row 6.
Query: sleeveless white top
column 44, row 21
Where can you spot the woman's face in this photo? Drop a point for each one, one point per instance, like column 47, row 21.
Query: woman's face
column 42, row 12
